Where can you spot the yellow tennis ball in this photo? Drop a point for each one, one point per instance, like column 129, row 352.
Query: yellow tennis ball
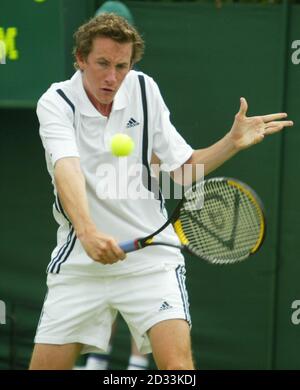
column 121, row 145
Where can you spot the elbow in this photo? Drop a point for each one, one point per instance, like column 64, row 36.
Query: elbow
column 189, row 172
column 67, row 163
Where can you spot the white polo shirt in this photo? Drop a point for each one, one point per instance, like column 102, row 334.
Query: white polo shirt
column 120, row 204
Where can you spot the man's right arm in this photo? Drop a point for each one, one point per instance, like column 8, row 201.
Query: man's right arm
column 70, row 185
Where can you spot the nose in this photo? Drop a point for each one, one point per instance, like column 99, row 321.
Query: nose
column 111, row 76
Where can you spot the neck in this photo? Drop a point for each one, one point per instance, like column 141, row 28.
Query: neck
column 104, row 109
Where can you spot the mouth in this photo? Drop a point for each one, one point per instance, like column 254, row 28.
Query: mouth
column 107, row 90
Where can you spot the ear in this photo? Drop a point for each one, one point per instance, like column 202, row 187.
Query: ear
column 80, row 60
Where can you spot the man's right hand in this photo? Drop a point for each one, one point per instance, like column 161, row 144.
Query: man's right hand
column 100, row 247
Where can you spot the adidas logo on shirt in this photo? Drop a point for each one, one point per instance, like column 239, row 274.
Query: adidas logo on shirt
column 131, row 123
column 165, row 306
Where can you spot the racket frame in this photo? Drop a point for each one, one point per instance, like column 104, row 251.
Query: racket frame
column 143, row 242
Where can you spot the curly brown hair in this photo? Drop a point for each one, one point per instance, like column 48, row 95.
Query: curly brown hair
column 107, row 25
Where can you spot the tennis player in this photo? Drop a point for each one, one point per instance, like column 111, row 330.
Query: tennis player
column 89, row 277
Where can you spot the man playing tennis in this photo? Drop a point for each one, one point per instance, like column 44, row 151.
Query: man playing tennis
column 89, row 278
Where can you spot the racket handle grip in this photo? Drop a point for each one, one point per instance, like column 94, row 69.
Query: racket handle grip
column 128, row 246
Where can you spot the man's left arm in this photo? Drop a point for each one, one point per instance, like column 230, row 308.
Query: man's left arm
column 245, row 132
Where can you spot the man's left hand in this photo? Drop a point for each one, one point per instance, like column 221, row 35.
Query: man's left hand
column 247, row 131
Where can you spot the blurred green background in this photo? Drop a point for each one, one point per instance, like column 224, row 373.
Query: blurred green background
column 204, row 56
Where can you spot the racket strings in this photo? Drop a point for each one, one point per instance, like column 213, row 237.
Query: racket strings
column 226, row 228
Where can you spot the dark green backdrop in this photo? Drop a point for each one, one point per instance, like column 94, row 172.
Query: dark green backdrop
column 204, row 59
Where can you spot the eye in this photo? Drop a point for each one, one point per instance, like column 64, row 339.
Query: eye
column 103, row 64
column 121, row 66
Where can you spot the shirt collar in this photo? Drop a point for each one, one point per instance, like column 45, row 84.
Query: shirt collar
column 85, row 105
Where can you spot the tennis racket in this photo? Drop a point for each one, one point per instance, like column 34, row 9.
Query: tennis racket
column 220, row 220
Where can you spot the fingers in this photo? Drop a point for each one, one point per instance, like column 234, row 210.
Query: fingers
column 111, row 252
column 266, row 118
column 274, row 127
column 117, row 251
column 102, row 248
column 243, row 107
column 273, row 117
column 279, row 123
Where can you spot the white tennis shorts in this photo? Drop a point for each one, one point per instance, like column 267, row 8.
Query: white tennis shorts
column 82, row 310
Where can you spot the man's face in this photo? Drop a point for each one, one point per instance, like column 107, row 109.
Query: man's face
column 105, row 68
